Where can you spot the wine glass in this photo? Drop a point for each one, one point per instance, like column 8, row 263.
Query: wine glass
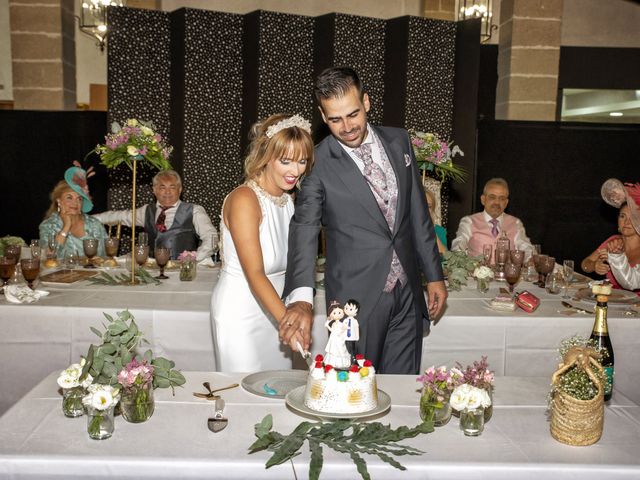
column 36, row 251
column 487, row 250
column 215, row 245
column 141, row 254
column 568, row 268
column 553, row 283
column 13, row 251
column 7, row 269
column 537, row 262
column 71, row 259
column 52, row 246
column 143, row 238
column 517, row 257
column 162, row 255
column 512, row 274
column 30, row 270
column 90, row 246
column 547, row 264
column 111, row 245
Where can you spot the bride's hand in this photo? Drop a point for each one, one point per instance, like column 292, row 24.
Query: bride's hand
column 296, row 324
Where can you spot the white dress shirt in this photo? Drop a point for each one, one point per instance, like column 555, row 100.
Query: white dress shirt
column 463, row 235
column 627, row 276
column 201, row 223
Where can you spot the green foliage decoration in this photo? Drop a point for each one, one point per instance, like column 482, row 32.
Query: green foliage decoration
column 458, row 266
column 344, row 436
column 120, row 342
column 104, row 278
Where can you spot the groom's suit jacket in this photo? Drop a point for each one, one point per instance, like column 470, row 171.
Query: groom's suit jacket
column 359, row 243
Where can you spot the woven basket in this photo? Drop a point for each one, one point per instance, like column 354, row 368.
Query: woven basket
column 577, row 422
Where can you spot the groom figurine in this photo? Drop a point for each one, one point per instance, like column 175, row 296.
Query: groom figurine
column 366, row 191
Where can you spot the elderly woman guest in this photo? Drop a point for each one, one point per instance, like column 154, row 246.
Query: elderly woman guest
column 67, row 218
column 246, row 309
column 627, row 243
column 441, row 232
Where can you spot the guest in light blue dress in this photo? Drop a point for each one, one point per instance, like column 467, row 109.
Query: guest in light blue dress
column 67, row 218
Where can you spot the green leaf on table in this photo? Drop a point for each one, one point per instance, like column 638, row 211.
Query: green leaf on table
column 96, row 331
column 264, row 427
column 315, row 465
column 176, row 378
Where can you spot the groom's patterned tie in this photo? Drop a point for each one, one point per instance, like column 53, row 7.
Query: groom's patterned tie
column 386, row 194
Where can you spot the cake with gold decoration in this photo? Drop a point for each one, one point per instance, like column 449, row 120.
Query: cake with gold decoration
column 334, row 390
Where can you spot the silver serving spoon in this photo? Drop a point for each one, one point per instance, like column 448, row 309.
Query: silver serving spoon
column 217, row 423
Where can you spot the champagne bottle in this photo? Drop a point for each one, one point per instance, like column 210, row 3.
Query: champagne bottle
column 600, row 337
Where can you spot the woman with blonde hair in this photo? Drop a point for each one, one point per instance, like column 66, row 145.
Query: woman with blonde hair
column 246, row 308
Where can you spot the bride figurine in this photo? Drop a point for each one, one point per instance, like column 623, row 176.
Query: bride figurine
column 337, row 354
column 353, row 327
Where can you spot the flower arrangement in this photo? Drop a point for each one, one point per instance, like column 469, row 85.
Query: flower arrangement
column 478, row 375
column 435, row 155
column 575, row 381
column 457, row 267
column 483, row 272
column 437, row 385
column 136, row 379
column 135, row 140
column 187, row 256
column 468, row 397
column 73, row 389
column 100, row 402
column 9, row 240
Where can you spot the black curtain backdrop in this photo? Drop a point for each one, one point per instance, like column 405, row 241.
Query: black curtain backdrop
column 37, row 148
column 555, row 172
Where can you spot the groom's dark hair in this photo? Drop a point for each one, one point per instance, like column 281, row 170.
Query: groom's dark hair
column 336, row 82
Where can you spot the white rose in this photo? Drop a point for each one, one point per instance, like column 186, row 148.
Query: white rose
column 87, row 381
column 147, row 131
column 66, row 381
column 474, row 399
column 483, row 272
column 486, row 399
column 132, row 151
column 101, row 400
column 132, row 122
column 459, row 397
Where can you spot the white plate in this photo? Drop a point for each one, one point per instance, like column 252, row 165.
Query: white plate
column 295, row 399
column 280, row 382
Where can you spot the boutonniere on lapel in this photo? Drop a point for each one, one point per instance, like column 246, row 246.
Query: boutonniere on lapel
column 407, row 160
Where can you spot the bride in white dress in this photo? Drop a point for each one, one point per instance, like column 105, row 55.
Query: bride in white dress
column 246, row 308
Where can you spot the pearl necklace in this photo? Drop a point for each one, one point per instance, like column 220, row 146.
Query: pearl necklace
column 280, row 201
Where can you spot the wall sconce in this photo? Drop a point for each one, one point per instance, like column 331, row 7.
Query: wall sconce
column 93, row 19
column 481, row 9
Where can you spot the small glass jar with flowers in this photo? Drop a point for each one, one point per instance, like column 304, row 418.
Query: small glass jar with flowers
column 73, row 389
column 437, row 385
column 478, row 375
column 100, row 402
column 188, row 266
column 471, row 402
column 136, row 402
column 483, row 276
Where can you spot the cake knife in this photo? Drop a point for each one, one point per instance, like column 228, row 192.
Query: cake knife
column 306, row 354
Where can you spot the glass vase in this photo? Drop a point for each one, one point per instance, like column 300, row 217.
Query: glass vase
column 72, row 401
column 482, row 285
column 488, row 411
column 100, row 423
column 188, row 271
column 432, row 410
column 472, row 421
column 137, row 404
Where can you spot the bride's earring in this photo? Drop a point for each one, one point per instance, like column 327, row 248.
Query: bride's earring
column 58, row 208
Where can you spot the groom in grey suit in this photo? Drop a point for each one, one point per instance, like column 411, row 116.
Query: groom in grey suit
column 365, row 190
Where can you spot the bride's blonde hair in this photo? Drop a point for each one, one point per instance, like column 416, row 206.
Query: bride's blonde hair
column 294, row 143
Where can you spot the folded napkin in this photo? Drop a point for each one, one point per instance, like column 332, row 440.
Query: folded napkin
column 23, row 294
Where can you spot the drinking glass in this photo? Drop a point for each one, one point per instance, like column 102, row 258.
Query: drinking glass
column 547, row 265
column 7, row 269
column 141, row 254
column 215, row 245
column 36, row 251
column 111, row 245
column 13, row 251
column 71, row 259
column 30, row 270
column 553, row 283
column 143, row 238
column 90, row 246
column 537, row 262
column 517, row 257
column 512, row 275
column 487, row 250
column 52, row 246
column 568, row 268
column 162, row 255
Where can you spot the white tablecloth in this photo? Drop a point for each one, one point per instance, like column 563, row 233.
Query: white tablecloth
column 37, row 441
column 54, row 332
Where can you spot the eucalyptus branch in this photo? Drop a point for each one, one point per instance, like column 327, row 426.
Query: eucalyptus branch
column 104, row 278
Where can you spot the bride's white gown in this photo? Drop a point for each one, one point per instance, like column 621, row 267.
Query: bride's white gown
column 245, row 336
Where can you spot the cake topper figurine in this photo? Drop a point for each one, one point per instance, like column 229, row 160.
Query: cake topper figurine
column 353, row 327
column 337, row 354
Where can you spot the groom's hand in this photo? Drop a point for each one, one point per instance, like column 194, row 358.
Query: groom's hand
column 437, row 296
column 296, row 325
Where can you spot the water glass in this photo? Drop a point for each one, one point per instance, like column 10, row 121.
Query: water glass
column 141, row 254
column 90, row 246
column 111, row 245
column 162, row 256
column 143, row 238
column 517, row 257
column 7, row 269
column 36, row 251
column 568, row 268
column 30, row 270
column 71, row 259
column 487, row 250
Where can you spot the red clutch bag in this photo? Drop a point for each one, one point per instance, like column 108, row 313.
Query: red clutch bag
column 527, row 301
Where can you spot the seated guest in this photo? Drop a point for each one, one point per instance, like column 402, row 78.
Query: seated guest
column 618, row 256
column 441, row 232
column 485, row 227
column 169, row 222
column 67, row 218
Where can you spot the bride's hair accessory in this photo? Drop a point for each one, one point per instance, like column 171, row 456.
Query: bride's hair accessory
column 294, row 121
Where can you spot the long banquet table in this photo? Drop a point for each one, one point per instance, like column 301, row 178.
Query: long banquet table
column 54, row 332
column 38, row 442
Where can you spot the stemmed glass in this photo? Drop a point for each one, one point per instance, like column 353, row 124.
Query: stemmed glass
column 7, row 269
column 517, row 257
column 36, row 251
column 567, row 274
column 111, row 245
column 512, row 274
column 52, row 246
column 487, row 250
column 215, row 245
column 13, row 251
column 547, row 264
column 141, row 254
column 30, row 270
column 162, row 255
column 90, row 246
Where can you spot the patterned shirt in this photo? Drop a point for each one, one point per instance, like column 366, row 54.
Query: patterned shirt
column 92, row 229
